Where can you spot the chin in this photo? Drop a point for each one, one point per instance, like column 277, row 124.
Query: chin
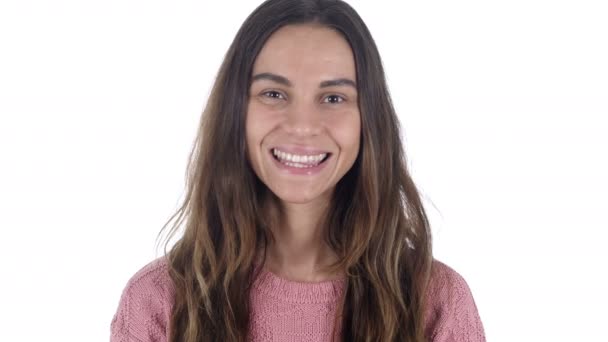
column 300, row 198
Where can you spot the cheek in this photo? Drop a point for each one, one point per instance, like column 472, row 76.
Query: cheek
column 258, row 124
column 347, row 132
column 253, row 141
column 251, row 135
column 252, row 123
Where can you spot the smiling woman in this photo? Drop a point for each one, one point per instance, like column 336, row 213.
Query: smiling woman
column 315, row 115
column 302, row 221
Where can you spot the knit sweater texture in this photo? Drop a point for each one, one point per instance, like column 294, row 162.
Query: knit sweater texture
column 283, row 310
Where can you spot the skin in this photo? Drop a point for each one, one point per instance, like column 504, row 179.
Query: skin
column 304, row 114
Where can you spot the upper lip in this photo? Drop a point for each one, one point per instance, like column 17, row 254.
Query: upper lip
column 300, row 150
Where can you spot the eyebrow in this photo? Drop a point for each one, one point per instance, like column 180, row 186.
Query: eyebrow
column 284, row 81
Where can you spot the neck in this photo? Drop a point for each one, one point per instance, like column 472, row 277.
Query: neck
column 299, row 252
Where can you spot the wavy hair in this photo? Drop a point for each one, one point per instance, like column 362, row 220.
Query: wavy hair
column 375, row 222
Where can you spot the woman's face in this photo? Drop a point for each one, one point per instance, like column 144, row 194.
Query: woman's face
column 303, row 122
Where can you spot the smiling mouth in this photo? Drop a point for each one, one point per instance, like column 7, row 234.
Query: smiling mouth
column 300, row 160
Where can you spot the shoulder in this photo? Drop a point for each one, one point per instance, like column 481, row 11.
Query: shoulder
column 451, row 313
column 145, row 304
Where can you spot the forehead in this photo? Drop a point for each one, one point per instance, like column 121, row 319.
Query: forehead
column 306, row 50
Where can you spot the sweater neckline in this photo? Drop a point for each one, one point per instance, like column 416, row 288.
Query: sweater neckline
column 271, row 284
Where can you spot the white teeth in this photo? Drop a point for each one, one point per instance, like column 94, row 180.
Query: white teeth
column 298, row 160
column 301, row 166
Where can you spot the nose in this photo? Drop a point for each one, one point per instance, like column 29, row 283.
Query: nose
column 303, row 119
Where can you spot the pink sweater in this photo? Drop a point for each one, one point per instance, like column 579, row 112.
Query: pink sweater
column 290, row 311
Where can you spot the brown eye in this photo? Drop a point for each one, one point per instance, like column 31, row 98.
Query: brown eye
column 334, row 99
column 273, row 94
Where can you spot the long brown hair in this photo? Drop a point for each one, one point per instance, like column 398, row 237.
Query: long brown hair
column 375, row 223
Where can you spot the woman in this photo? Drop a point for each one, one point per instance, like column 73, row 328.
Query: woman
column 302, row 222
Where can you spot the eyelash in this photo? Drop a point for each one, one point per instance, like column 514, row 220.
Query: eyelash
column 269, row 92
column 342, row 99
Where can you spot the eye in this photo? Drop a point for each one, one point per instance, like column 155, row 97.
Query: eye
column 334, row 99
column 273, row 94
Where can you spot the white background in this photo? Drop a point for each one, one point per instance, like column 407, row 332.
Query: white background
column 503, row 106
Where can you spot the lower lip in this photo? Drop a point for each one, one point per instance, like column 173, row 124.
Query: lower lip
column 300, row 170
